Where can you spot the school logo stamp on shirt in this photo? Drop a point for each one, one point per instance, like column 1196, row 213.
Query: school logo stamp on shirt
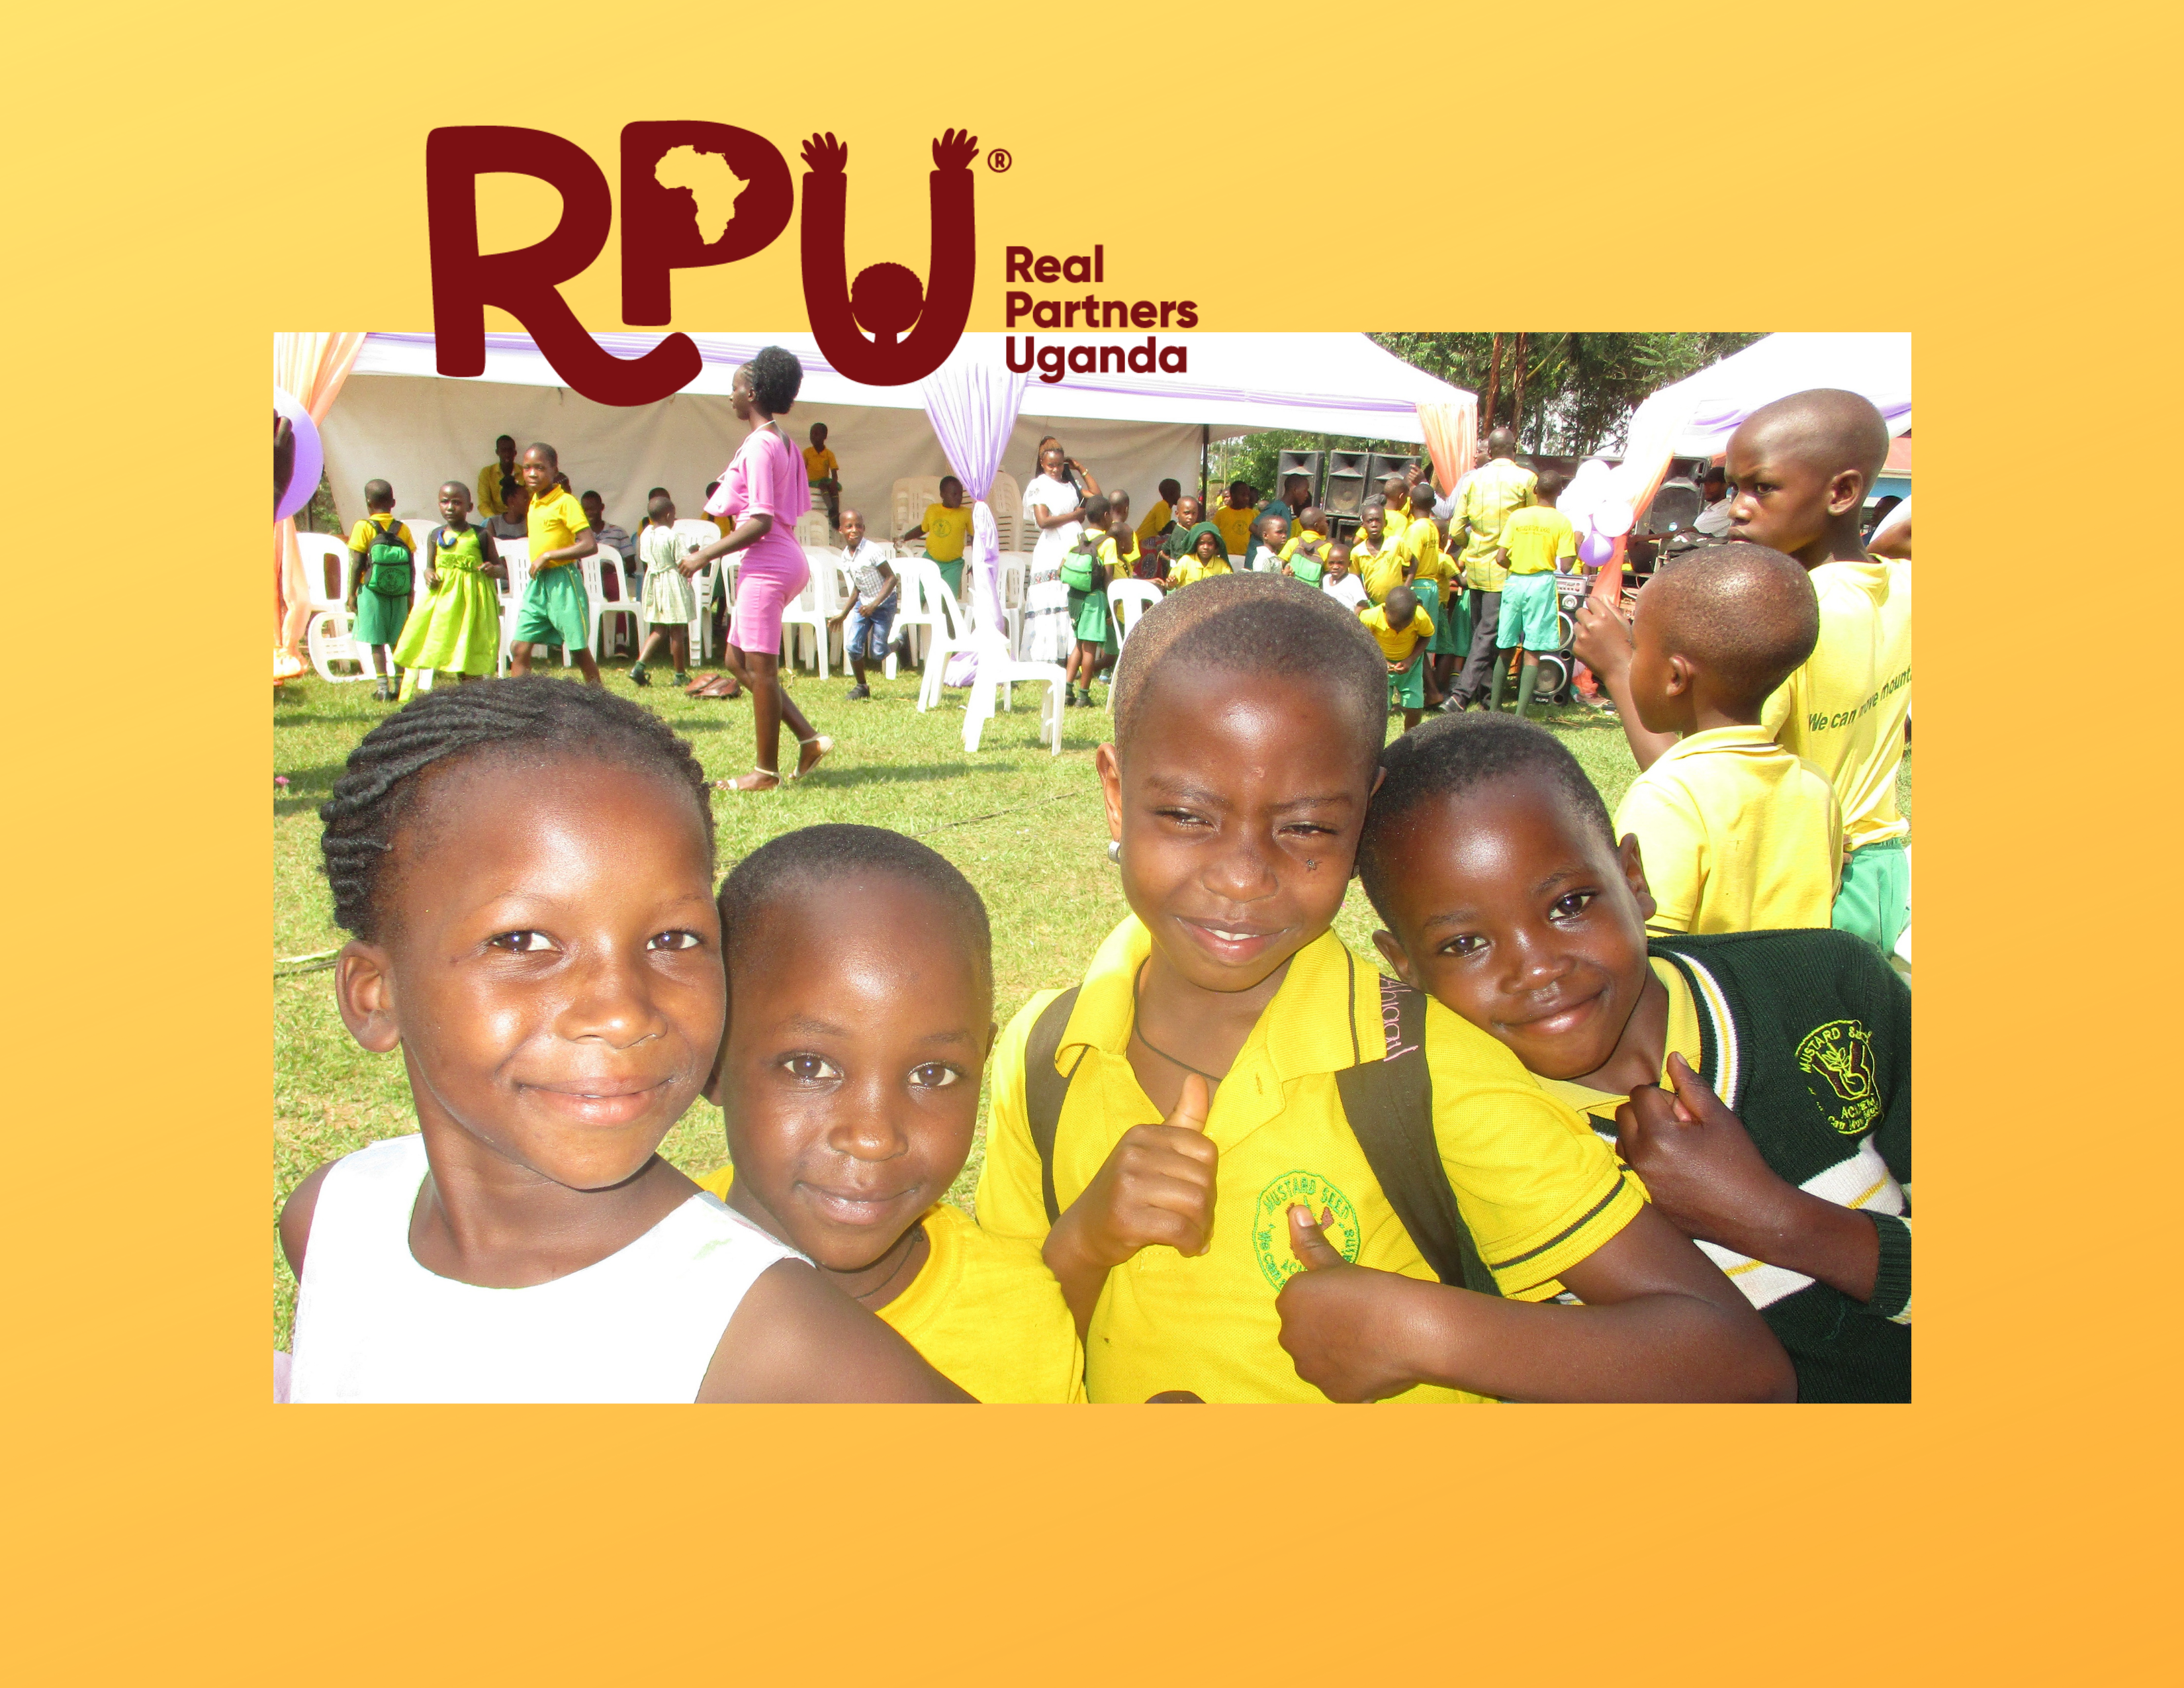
column 1270, row 1225
column 1837, row 1061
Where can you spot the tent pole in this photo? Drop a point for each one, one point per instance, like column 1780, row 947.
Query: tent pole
column 1205, row 451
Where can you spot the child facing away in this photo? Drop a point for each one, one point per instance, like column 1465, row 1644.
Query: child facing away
column 1335, row 580
column 1166, row 513
column 1802, row 467
column 823, row 470
column 861, row 985
column 1536, row 541
column 1236, row 518
column 526, row 872
column 1482, row 505
column 1739, row 833
column 556, row 614
column 1759, row 1083
column 1310, row 537
column 382, row 556
column 1404, row 631
column 945, row 528
column 1220, row 1102
column 1084, row 577
column 455, row 628
column 670, row 600
column 513, row 522
column 870, row 612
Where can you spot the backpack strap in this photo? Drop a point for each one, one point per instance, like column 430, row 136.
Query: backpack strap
column 1046, row 1089
column 1389, row 1106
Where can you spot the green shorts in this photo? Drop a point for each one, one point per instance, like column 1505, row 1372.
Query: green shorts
column 1528, row 609
column 952, row 572
column 555, row 611
column 380, row 616
column 1408, row 690
column 1875, row 901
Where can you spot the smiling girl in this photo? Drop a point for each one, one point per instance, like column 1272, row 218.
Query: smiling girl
column 525, row 868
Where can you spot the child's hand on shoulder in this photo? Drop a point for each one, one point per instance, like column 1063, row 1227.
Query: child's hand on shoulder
column 1343, row 1325
column 1699, row 1165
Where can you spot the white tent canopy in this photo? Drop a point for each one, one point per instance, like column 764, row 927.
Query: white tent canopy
column 398, row 419
column 1711, row 404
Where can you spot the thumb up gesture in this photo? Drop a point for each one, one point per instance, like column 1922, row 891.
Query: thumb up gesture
column 1340, row 1323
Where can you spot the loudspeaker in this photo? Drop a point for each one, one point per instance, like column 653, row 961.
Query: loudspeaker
column 1304, row 463
column 1381, row 466
column 1674, row 508
column 1345, row 483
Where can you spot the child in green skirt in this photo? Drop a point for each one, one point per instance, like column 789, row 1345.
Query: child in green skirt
column 456, row 627
column 382, row 552
column 1081, row 572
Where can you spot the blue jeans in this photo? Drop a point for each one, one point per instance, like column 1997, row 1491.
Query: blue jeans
column 867, row 635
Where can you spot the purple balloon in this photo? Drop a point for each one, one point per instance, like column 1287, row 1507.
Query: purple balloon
column 1596, row 549
column 310, row 456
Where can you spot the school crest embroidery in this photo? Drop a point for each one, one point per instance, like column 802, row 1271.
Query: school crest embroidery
column 1837, row 1061
column 1270, row 1224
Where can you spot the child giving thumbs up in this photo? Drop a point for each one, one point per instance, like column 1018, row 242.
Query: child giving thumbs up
column 1156, row 1187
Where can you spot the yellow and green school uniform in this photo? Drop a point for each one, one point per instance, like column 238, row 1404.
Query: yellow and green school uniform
column 1190, row 568
column 455, row 628
column 820, row 466
column 946, row 531
column 1433, row 578
column 1536, row 1188
column 383, row 592
column 1379, row 569
column 1737, row 834
column 1235, row 528
column 1844, row 711
column 1490, row 494
column 556, row 610
column 1534, row 539
column 1406, row 690
column 984, row 1310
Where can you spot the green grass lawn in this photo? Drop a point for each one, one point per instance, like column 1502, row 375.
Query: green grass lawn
column 1026, row 826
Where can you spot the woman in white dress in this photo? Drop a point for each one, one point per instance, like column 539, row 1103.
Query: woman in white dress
column 1053, row 503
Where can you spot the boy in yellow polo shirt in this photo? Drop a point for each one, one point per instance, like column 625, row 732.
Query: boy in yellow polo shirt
column 1739, row 833
column 1404, row 631
column 1310, row 537
column 1236, row 518
column 1802, row 467
column 556, row 611
column 1759, row 1083
column 945, row 528
column 1229, row 1085
column 862, row 1009
column 823, row 470
column 1535, row 541
column 1373, row 553
column 1485, row 500
column 1162, row 517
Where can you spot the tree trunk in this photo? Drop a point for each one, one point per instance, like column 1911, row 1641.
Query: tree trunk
column 1493, row 389
column 1516, row 404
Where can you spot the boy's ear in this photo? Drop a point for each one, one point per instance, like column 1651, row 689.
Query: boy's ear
column 364, row 992
column 1633, row 875
column 1397, row 957
column 1847, row 492
column 1680, row 676
column 1111, row 786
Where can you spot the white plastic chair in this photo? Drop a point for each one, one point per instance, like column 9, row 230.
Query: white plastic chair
column 921, row 612
column 810, row 610
column 954, row 634
column 1014, row 571
column 597, row 605
column 1006, row 499
column 326, row 641
column 518, row 559
column 813, row 529
column 909, row 499
column 1127, row 600
column 317, row 550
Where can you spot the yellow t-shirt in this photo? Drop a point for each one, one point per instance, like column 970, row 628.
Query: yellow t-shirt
column 984, row 1310
column 1235, row 526
column 1844, row 710
column 1396, row 643
column 1490, row 493
column 369, row 529
column 1420, row 550
column 1378, row 569
column 1537, row 1190
column 1534, row 536
column 946, row 530
column 556, row 518
column 1737, row 834
column 1117, row 565
column 1304, row 539
column 1156, row 519
column 820, row 466
column 1190, row 568
column 489, row 500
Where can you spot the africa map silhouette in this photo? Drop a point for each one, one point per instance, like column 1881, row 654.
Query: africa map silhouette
column 713, row 186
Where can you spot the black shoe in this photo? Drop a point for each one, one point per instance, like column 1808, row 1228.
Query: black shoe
column 860, row 694
column 638, row 676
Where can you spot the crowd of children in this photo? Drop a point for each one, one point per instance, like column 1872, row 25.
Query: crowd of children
column 1630, row 1120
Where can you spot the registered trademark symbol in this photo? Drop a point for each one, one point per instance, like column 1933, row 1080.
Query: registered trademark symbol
column 999, row 159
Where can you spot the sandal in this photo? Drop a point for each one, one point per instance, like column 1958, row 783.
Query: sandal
column 817, row 746
column 736, row 783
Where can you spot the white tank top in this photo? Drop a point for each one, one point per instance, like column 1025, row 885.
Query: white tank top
column 371, row 1324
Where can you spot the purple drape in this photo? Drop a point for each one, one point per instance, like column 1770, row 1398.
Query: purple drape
column 972, row 407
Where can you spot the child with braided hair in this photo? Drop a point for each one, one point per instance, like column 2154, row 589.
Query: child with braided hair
column 525, row 869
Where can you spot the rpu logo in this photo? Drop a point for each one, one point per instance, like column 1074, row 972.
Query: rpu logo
column 679, row 179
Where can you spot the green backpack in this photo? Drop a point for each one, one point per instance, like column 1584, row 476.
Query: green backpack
column 389, row 562
column 1388, row 1105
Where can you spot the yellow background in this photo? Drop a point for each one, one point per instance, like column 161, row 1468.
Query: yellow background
column 1999, row 180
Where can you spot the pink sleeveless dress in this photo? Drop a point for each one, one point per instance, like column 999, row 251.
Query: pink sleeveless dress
column 765, row 477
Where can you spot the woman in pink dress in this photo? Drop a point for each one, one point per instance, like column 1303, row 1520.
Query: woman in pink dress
column 762, row 491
